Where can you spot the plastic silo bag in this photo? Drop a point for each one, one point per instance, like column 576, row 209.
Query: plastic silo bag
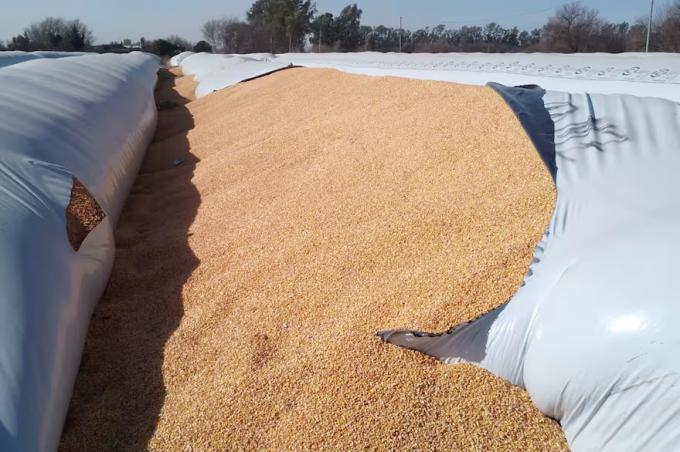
column 593, row 333
column 85, row 117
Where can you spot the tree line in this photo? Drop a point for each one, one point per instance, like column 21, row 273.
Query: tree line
column 73, row 36
column 278, row 26
column 52, row 34
column 293, row 25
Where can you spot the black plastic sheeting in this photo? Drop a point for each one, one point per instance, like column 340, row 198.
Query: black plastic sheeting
column 527, row 103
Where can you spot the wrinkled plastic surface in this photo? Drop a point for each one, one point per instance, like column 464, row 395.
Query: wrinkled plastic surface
column 89, row 117
column 177, row 59
column 593, row 333
column 11, row 57
column 653, row 74
column 214, row 72
column 650, row 75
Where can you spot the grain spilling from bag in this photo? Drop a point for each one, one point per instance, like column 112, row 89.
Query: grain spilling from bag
column 83, row 214
column 311, row 209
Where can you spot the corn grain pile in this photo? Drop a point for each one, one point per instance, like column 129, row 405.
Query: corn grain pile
column 83, row 214
column 275, row 227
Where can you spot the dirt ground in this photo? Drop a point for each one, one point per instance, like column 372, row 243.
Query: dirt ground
column 276, row 226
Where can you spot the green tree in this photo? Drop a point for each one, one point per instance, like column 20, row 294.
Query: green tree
column 202, row 46
column 348, row 28
column 164, row 47
column 180, row 43
column 77, row 36
column 286, row 21
column 323, row 28
column 56, row 34
column 20, row 42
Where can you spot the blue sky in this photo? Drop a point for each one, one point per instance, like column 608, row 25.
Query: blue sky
column 119, row 19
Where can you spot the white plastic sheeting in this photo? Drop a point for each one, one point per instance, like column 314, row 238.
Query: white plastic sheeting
column 649, row 75
column 16, row 56
column 89, row 117
column 214, row 72
column 593, row 332
column 652, row 75
column 177, row 59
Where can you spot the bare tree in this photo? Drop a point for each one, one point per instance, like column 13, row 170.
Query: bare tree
column 669, row 28
column 572, row 28
column 47, row 34
column 230, row 35
column 213, row 30
column 637, row 35
column 239, row 37
column 611, row 37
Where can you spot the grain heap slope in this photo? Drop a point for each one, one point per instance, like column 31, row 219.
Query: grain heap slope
column 310, row 209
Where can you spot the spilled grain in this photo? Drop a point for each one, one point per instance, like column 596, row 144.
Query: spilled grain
column 323, row 207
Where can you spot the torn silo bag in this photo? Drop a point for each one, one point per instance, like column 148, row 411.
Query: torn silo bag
column 85, row 118
column 593, row 334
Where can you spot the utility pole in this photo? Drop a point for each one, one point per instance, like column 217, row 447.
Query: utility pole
column 320, row 30
column 649, row 25
column 400, row 33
